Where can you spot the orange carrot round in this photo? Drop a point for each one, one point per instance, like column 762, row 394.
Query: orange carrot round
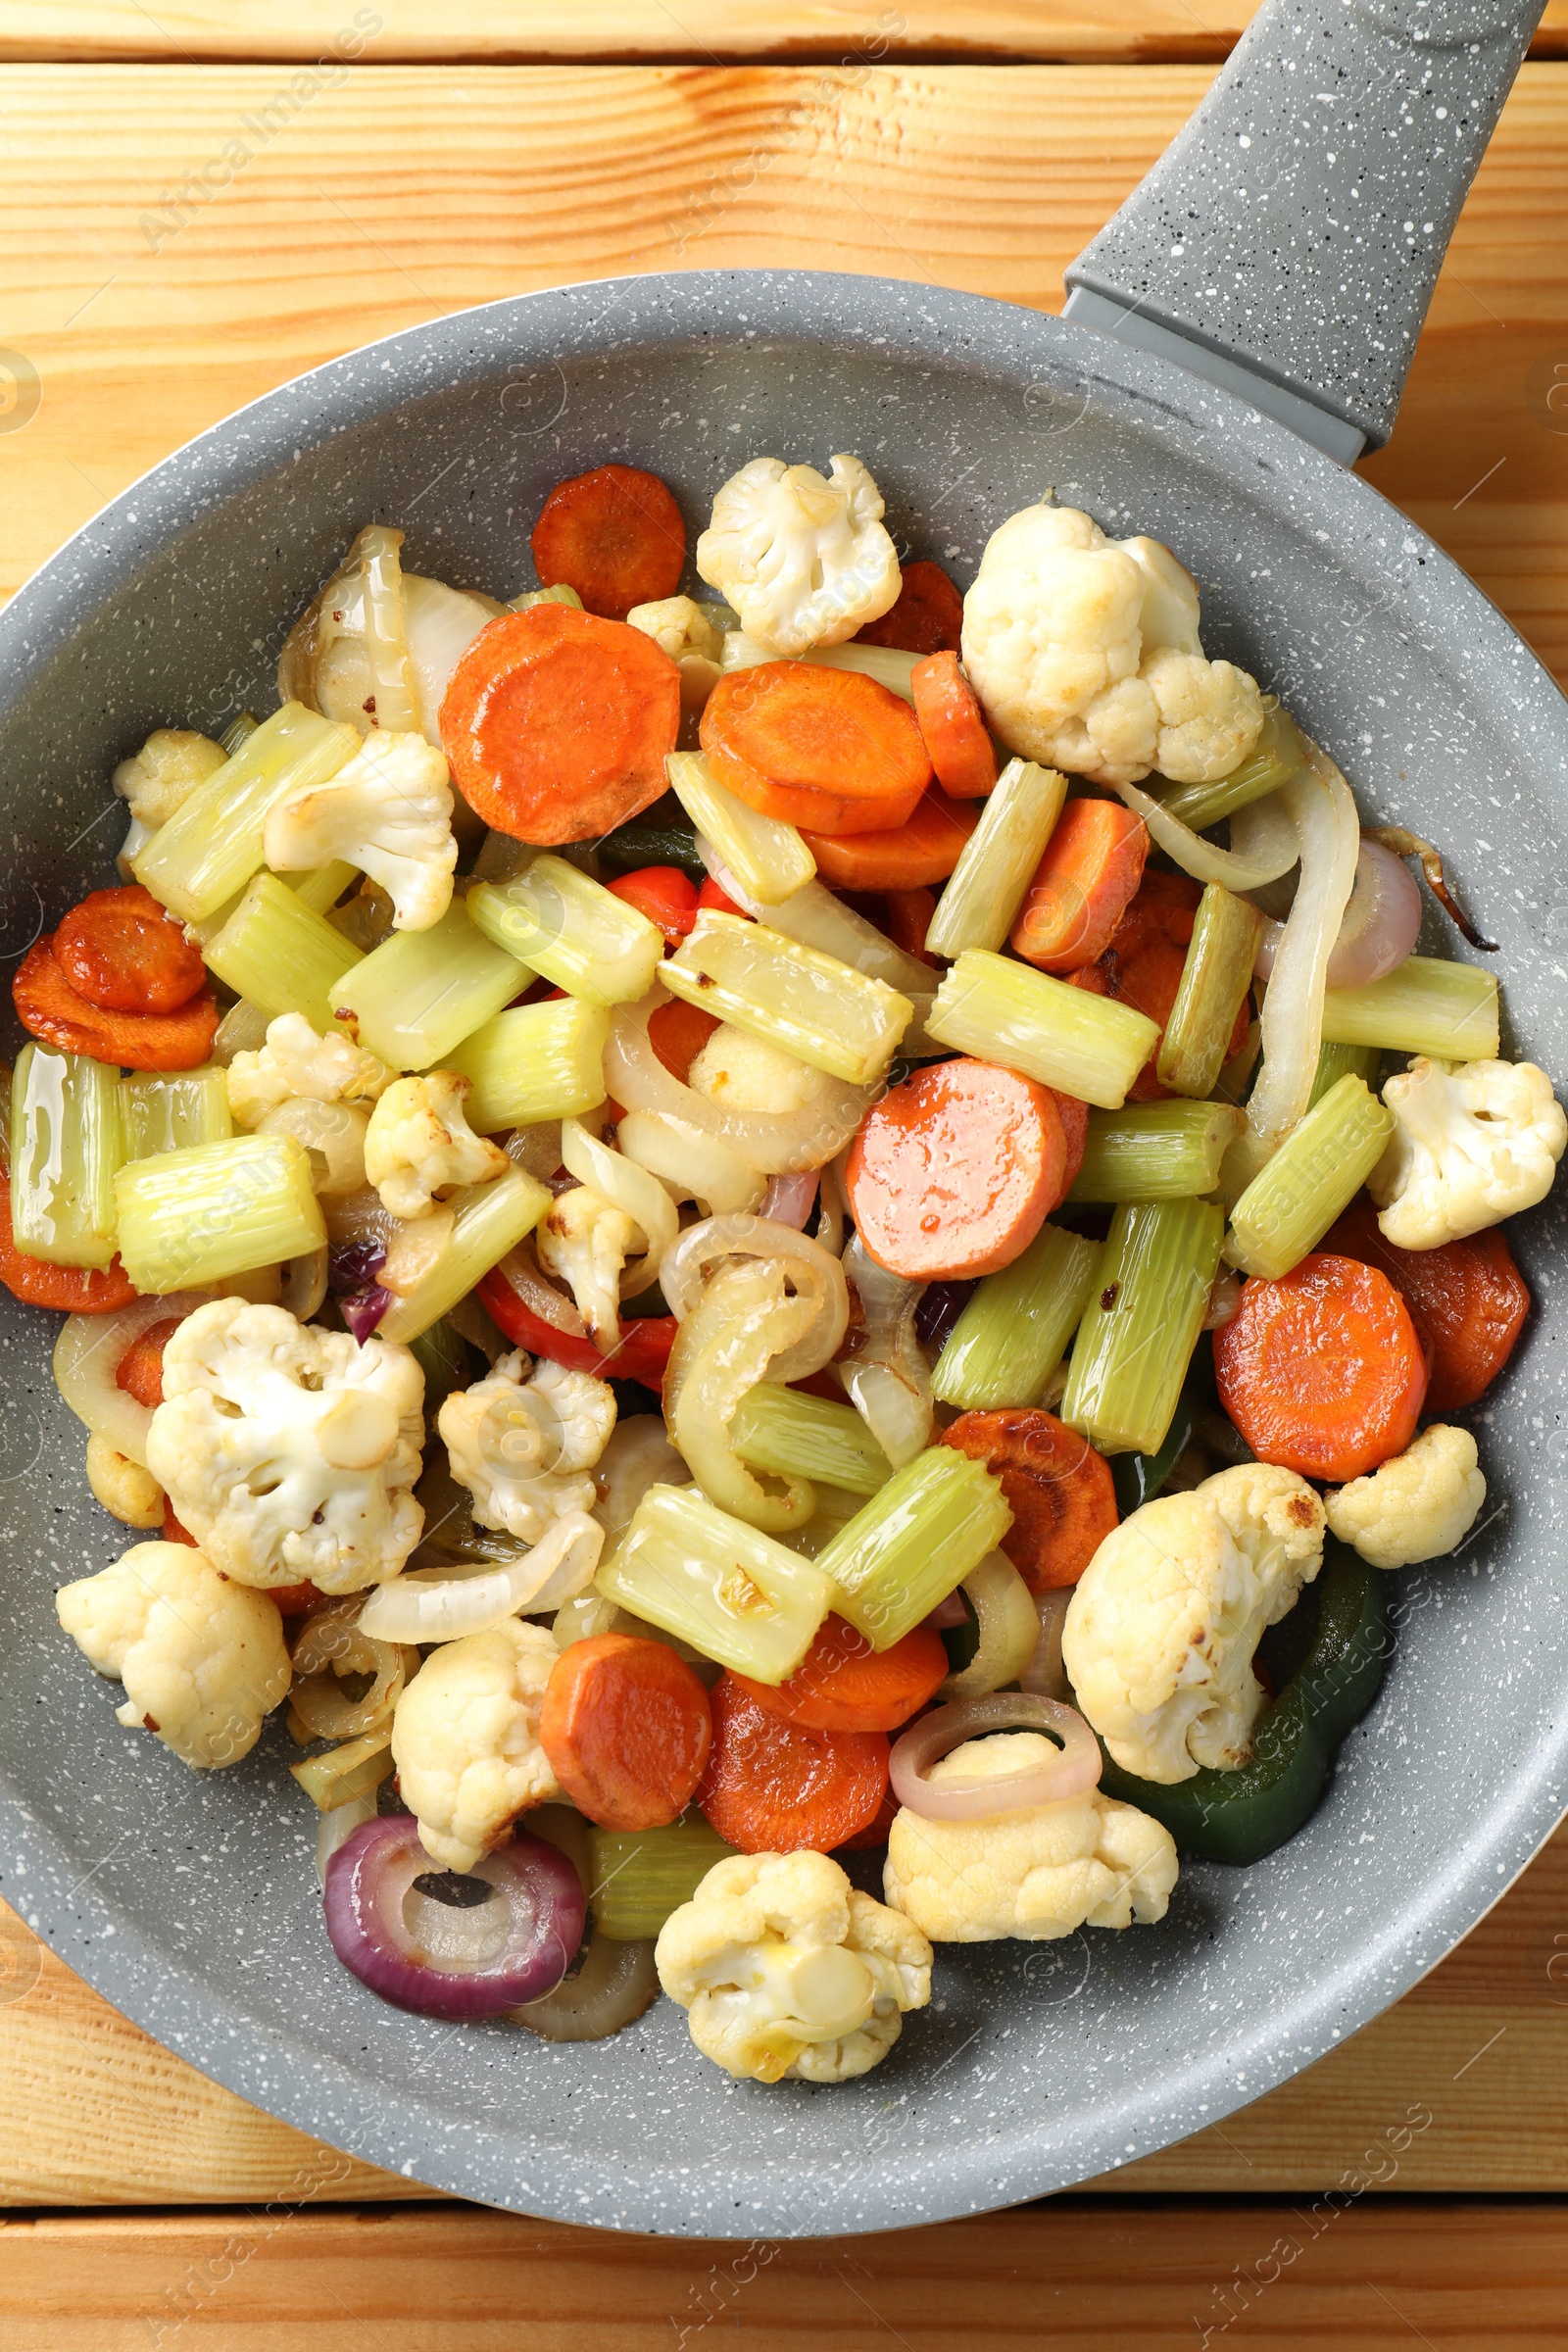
column 908, row 857
column 121, row 950
column 1322, row 1371
column 824, row 749
column 677, row 1033
column 615, row 535
column 1467, row 1300
column 141, row 1367
column 928, row 617
column 1074, row 1118
column 844, row 1684
column 1144, row 962
column 174, row 1530
column 665, row 894
column 905, row 916
column 1092, row 865
column 774, row 1788
column 953, row 1173
column 48, row 1005
column 952, row 726
column 72, row 1289
column 557, row 724
column 1060, row 1489
column 626, row 1728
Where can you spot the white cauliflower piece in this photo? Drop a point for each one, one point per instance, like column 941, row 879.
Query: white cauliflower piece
column 802, row 561
column 784, row 1968
column 1417, row 1507
column 419, row 1146
column 131, row 1493
column 161, row 777
column 682, row 630
column 1038, row 1872
column 1085, row 653
column 524, row 1444
column 1161, row 1627
column 584, row 1240
column 1473, row 1142
column 466, row 1740
column 389, row 813
column 295, row 1064
column 289, row 1451
column 203, row 1659
column 745, row 1073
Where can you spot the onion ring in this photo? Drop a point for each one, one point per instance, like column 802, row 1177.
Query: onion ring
column 681, row 1278
column 777, row 1143
column 89, row 1354
column 415, row 1607
column 1010, row 1628
column 1071, row 1773
column 1263, row 844
column 628, row 1188
column 789, row 1200
column 1379, row 927
column 887, row 1376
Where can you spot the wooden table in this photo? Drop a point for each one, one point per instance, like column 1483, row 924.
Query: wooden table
column 435, row 174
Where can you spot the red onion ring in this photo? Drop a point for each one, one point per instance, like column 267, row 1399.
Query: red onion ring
column 1071, row 1773
column 787, row 1200
column 1378, row 928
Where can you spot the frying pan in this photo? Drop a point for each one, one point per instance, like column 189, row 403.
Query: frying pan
column 1232, row 337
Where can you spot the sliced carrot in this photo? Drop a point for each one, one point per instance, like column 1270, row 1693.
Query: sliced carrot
column 1060, row 1489
column 677, row 1033
column 174, row 1530
column 626, row 1728
column 953, row 1173
column 876, row 1830
column 844, row 1684
column 924, row 850
column 615, row 535
column 907, row 918
column 1074, row 1118
column 1467, row 1300
column 557, row 724
column 710, row 894
column 121, row 950
column 1144, row 962
column 928, row 617
column 1322, row 1371
column 48, row 1005
column 952, row 728
column 776, row 1788
column 73, row 1290
column 1082, row 886
column 141, row 1367
column 665, row 894
column 295, row 1601
column 829, row 750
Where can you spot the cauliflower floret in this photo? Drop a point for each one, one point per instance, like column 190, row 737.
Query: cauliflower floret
column 682, row 630
column 1473, row 1142
column 123, row 1488
column 584, row 1240
column 202, row 1659
column 784, row 1968
column 1042, row 1872
column 1085, row 653
column 161, row 776
column 803, row 561
column 745, row 1073
column 1417, row 1507
column 466, row 1740
column 388, row 812
column 1161, row 1627
column 296, row 1065
column 418, row 1145
column 523, row 1442
column 289, row 1451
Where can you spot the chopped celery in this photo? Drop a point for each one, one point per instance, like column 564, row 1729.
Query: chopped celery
column 1155, row 1150
column 570, row 930
column 915, row 1542
column 814, row 918
column 321, row 890
column 189, row 1219
column 171, row 1113
column 535, row 1063
column 238, row 730
column 807, row 1436
column 560, row 593
column 67, row 1138
column 420, row 993
column 280, row 956
column 212, row 846
column 1214, row 983
column 1090, row 1047
column 1322, row 1163
column 1273, row 760
column 811, row 1005
column 354, row 1769
column 731, row 1592
column 491, row 1219
column 1334, row 1063
column 1016, row 1328
column 767, row 857
column 997, row 863
column 1426, row 1005
column 639, row 1877
column 1145, row 1310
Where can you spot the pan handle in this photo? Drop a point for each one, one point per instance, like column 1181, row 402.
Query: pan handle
column 1287, row 243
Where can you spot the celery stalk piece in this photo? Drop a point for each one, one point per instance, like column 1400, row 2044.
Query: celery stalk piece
column 570, row 930
column 491, row 1219
column 1145, row 1310
column 1426, row 1005
column 807, row 1436
column 238, row 730
column 1017, row 1327
column 767, row 857
column 189, row 1219
column 814, row 1006
column 420, row 993
column 67, row 1138
column 1214, row 983
column 915, row 1542
column 1335, row 1062
column 172, row 1114
column 1272, row 762
column 639, row 1877
column 814, row 918
column 560, row 593
column 536, row 1063
column 343, row 1773
column 280, row 956
column 212, row 846
column 321, row 890
column 997, row 863
column 1001, row 1011
column 1320, row 1168
column 731, row 1592
column 1155, row 1150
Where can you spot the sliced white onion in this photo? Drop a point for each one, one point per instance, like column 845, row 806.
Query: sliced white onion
column 336, row 1826
column 614, row 1984
column 439, row 625
column 696, row 1164
column 331, row 1645
column 1263, row 841
column 556, row 1568
column 89, row 1354
column 833, row 1208
column 628, row 1188
column 1008, row 1626
column 887, row 1376
column 382, row 609
column 1046, row 1675
column 772, row 1141
column 814, row 917
column 335, row 1132
column 749, row 1325
column 702, row 1245
column 1072, row 1773
column 536, row 1150
column 1224, row 1301
column 305, row 1284
column 1379, row 927
column 789, row 1200
column 639, row 1455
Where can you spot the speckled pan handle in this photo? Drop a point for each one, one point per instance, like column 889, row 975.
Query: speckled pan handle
column 1288, row 241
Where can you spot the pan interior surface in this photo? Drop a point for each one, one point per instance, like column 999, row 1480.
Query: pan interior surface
column 190, row 1900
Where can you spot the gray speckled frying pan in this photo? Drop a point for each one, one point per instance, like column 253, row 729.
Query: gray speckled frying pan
column 1278, row 261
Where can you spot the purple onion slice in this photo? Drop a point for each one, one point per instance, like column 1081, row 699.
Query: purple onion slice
column 362, row 1311
column 430, row 1940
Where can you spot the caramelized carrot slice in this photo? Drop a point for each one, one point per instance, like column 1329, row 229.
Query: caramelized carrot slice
column 50, row 1008
column 72, row 1289
column 1467, row 1300
column 775, row 1788
column 626, row 1725
column 953, row 1173
column 121, row 950
column 844, row 1684
column 677, row 1033
column 829, row 750
column 1082, row 886
column 928, row 617
column 1143, row 966
column 141, row 1367
column 911, row 855
column 1322, row 1371
column 1061, row 1491
column 615, row 535
column 952, row 726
